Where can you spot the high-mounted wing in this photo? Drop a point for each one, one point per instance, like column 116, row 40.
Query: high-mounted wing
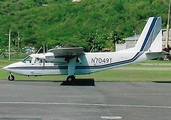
column 70, row 51
column 70, row 54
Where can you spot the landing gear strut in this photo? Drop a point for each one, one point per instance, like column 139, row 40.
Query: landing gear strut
column 11, row 77
column 70, row 78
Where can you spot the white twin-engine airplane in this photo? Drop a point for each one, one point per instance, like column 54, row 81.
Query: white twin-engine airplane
column 73, row 61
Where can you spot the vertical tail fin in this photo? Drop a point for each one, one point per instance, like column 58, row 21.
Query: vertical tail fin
column 150, row 36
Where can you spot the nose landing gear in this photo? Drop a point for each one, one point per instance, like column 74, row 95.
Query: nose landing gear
column 11, row 77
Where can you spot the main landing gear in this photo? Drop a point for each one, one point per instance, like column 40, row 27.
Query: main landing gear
column 70, row 78
column 11, row 77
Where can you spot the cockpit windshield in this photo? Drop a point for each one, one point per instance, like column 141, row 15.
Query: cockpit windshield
column 28, row 59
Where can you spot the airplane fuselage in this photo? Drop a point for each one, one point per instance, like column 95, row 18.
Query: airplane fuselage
column 85, row 63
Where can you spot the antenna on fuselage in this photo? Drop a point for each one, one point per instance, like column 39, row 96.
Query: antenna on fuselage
column 92, row 49
column 39, row 50
column 42, row 47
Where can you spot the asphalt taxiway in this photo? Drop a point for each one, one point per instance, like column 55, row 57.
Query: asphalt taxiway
column 28, row 100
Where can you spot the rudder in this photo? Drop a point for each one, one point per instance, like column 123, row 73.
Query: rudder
column 150, row 34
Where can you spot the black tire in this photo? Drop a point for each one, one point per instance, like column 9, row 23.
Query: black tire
column 11, row 78
column 70, row 78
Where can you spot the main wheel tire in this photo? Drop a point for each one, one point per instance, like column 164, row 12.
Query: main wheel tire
column 70, row 78
column 11, row 78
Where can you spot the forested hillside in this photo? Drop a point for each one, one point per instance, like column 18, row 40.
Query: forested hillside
column 98, row 23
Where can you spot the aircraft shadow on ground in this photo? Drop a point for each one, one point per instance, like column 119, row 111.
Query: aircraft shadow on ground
column 79, row 82
column 161, row 81
column 76, row 82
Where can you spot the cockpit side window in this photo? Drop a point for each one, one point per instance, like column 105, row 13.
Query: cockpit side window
column 38, row 60
column 28, row 59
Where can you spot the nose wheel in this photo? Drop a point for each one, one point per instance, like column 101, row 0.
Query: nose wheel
column 11, row 77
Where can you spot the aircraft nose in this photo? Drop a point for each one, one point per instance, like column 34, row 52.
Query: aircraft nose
column 8, row 67
column 5, row 68
column 12, row 66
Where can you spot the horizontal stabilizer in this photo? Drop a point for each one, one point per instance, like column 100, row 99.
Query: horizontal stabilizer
column 154, row 55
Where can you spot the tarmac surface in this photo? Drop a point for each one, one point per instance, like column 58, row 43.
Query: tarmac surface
column 28, row 100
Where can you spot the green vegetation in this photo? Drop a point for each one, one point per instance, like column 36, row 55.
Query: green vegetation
column 98, row 23
column 146, row 71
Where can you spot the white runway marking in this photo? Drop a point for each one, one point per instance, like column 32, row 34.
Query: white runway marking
column 88, row 104
column 111, row 117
